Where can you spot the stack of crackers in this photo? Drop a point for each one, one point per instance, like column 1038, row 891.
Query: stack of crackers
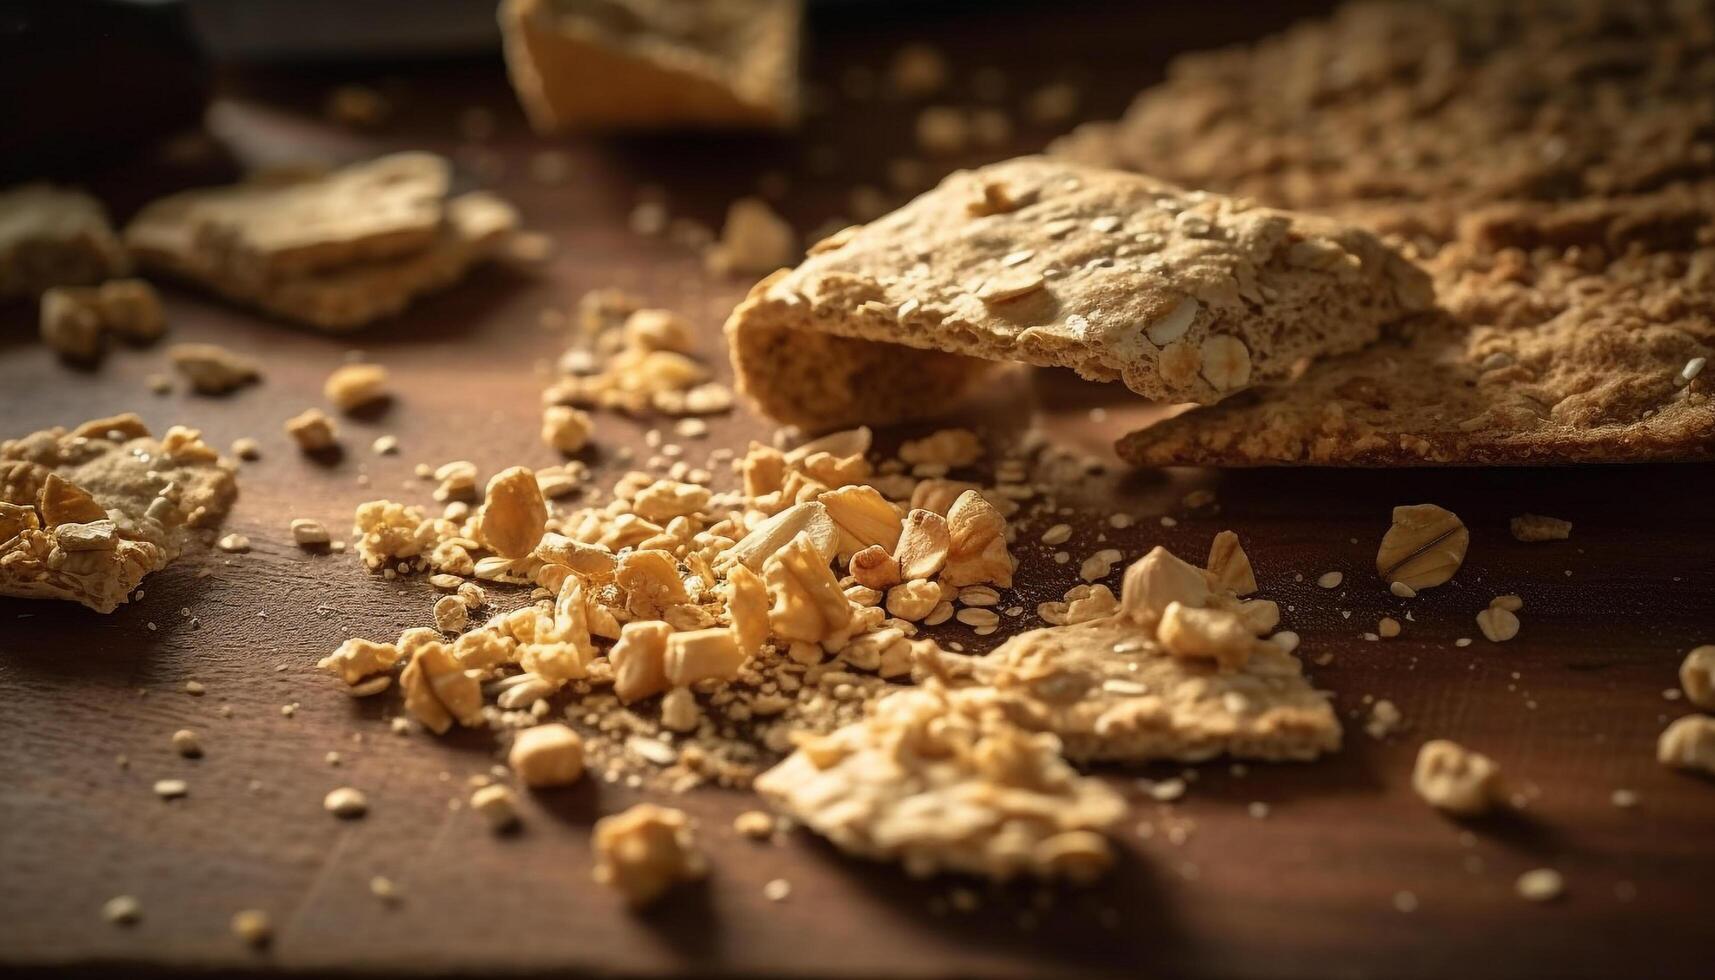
column 334, row 250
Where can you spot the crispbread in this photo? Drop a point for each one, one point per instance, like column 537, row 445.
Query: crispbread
column 86, row 514
column 1423, row 110
column 1553, row 164
column 1568, row 336
column 50, row 236
column 320, row 280
column 640, row 63
column 1109, row 691
column 1181, row 295
column 942, row 781
column 268, row 229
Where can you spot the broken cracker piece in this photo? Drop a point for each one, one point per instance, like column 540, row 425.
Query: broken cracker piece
column 1110, row 692
column 1189, row 297
column 85, row 515
column 943, row 781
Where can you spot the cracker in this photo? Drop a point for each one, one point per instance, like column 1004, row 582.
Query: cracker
column 273, row 227
column 1552, row 162
column 50, row 236
column 1411, row 113
column 942, row 781
column 643, row 63
column 1578, row 352
column 1179, row 294
column 384, row 263
column 1112, row 694
column 85, row 515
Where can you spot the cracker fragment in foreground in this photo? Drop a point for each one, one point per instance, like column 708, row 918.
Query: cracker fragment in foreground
column 941, row 780
column 648, row 63
column 1179, row 294
column 85, row 514
column 334, row 250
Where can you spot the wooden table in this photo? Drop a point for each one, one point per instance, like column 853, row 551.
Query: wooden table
column 1315, row 882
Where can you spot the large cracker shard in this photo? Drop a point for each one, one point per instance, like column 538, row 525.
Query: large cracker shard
column 1112, row 694
column 334, row 250
column 943, row 781
column 86, row 514
column 1179, row 294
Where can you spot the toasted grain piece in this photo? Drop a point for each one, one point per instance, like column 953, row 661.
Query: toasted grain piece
column 383, row 261
column 51, row 236
column 352, row 386
column 1190, row 297
column 943, row 781
column 1689, row 744
column 1110, row 692
column 86, row 514
column 1697, row 677
column 580, row 64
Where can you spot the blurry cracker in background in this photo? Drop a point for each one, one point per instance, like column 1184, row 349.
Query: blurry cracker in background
column 653, row 63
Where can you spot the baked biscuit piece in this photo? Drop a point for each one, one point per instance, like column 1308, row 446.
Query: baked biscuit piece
column 50, row 236
column 333, row 250
column 1111, row 693
column 86, row 514
column 653, row 63
column 1181, row 295
column 1570, row 333
column 281, row 225
column 943, row 781
column 1406, row 114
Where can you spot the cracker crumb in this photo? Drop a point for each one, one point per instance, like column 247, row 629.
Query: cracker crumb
column 171, row 789
column 308, row 533
column 1330, row 580
column 186, row 743
column 1540, row 885
column 754, row 824
column 312, row 430
column 253, row 927
column 777, row 890
column 547, row 755
column 497, row 806
column 644, row 851
column 233, row 542
column 1697, row 677
column 212, row 369
column 346, row 803
column 352, row 386
column 1535, row 527
column 246, row 448
column 1454, row 779
column 122, row 910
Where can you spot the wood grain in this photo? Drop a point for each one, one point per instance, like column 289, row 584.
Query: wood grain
column 1570, row 709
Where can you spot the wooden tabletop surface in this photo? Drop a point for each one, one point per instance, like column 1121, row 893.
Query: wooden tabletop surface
column 1342, row 872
